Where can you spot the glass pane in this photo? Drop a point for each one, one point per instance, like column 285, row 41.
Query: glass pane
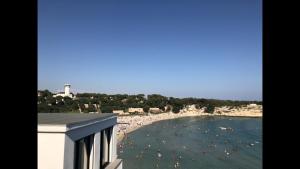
column 104, row 152
column 80, row 155
column 82, row 152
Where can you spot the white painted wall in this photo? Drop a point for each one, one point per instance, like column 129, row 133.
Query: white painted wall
column 92, row 154
column 140, row 110
column 97, row 140
column 59, row 94
column 105, row 150
column 111, row 145
column 56, row 150
column 114, row 144
column 51, row 150
column 118, row 111
column 67, row 90
column 69, row 153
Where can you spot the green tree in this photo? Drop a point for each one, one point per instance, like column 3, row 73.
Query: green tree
column 156, row 100
column 176, row 103
column 106, row 109
column 46, row 93
column 91, row 108
column 74, row 107
column 41, row 99
column 176, row 109
column 68, row 101
column 60, row 103
column 85, row 110
column 169, row 107
column 84, row 100
column 43, row 108
column 51, row 101
column 146, row 109
column 162, row 108
column 59, row 98
column 210, row 108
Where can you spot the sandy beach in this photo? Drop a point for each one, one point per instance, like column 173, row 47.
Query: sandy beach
column 127, row 124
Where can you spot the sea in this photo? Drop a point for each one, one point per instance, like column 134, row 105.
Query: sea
column 195, row 143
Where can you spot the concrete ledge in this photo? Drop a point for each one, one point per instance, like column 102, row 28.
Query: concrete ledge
column 117, row 164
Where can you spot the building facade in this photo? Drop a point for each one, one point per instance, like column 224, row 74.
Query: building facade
column 118, row 111
column 154, row 110
column 132, row 110
column 66, row 92
column 77, row 141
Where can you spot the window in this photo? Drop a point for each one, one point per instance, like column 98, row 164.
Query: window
column 105, row 146
column 86, row 152
column 82, row 152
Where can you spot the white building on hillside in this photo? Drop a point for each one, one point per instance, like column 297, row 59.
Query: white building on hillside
column 118, row 111
column 252, row 105
column 77, row 141
column 154, row 110
column 132, row 110
column 66, row 93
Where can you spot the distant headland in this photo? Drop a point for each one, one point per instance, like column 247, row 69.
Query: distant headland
column 132, row 104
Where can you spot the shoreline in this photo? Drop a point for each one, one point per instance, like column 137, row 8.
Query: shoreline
column 134, row 122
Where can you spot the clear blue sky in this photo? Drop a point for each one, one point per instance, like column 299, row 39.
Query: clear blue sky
column 179, row 48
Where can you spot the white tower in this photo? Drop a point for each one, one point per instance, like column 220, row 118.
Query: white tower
column 67, row 89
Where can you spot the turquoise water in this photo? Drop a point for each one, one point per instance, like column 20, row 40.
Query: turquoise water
column 195, row 142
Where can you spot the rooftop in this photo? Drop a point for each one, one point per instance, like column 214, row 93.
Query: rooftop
column 66, row 121
column 70, row 118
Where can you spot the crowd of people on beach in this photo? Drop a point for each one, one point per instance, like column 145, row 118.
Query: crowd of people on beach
column 130, row 123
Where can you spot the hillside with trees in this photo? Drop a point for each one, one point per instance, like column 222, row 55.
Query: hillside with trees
column 103, row 103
